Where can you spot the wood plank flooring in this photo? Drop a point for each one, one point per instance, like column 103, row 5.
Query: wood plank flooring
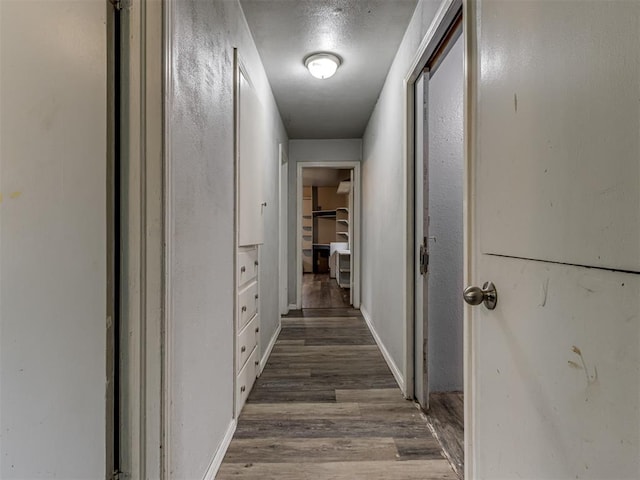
column 320, row 291
column 446, row 417
column 327, row 407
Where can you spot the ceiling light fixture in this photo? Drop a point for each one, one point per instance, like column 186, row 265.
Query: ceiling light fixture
column 322, row 65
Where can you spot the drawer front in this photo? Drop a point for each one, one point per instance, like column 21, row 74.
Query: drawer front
column 247, row 304
column 247, row 266
column 246, row 379
column 247, row 341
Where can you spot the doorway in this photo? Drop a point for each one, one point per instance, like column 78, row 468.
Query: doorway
column 327, row 229
column 439, row 237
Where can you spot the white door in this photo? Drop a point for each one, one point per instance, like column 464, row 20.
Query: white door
column 251, row 145
column 283, row 244
column 53, row 239
column 421, row 385
column 553, row 379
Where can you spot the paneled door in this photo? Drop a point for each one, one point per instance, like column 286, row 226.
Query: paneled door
column 553, row 372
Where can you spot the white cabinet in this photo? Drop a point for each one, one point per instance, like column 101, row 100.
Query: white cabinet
column 247, row 323
column 251, row 148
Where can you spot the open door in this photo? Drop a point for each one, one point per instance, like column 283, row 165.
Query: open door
column 554, row 217
column 283, row 246
column 421, row 381
column 439, row 192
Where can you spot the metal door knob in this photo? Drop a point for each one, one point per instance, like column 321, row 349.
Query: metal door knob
column 487, row 294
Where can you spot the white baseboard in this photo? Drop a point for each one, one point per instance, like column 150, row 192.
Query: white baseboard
column 214, row 466
column 267, row 352
column 293, row 306
column 397, row 373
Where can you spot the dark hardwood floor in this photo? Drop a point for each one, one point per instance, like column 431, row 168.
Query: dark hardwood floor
column 321, row 291
column 327, row 407
column 446, row 416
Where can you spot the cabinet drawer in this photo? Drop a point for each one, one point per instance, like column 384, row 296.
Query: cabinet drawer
column 246, row 379
column 247, row 266
column 247, row 340
column 247, row 304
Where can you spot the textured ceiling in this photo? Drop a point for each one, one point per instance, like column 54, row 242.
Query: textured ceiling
column 364, row 33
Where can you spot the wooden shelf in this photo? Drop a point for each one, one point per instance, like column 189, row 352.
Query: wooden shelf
column 324, row 213
column 341, row 220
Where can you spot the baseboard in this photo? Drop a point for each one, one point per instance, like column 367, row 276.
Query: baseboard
column 397, row 373
column 267, row 352
column 214, row 466
column 293, row 306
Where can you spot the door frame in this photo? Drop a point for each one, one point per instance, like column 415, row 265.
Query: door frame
column 142, row 259
column 443, row 19
column 355, row 243
column 283, row 194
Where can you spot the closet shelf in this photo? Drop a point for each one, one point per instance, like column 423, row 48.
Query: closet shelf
column 324, row 213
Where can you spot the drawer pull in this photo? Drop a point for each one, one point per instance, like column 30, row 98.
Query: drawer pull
column 243, row 269
column 243, row 349
column 244, row 308
column 257, row 329
column 257, row 363
column 256, row 296
column 242, row 389
column 256, row 263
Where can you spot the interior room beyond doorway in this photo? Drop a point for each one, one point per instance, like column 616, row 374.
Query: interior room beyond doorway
column 326, row 218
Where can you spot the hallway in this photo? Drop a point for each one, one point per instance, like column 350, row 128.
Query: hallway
column 321, row 291
column 327, row 406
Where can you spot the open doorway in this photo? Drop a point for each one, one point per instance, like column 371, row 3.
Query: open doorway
column 326, row 251
column 327, row 221
column 439, row 237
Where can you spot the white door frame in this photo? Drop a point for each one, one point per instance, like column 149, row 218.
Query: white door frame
column 355, row 241
column 443, row 19
column 143, row 176
column 283, row 223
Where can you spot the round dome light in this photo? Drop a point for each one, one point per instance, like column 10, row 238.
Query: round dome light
column 322, row 65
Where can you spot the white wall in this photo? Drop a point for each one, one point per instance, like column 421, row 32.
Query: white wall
column 330, row 150
column 202, row 199
column 446, row 173
column 53, row 239
column 384, row 217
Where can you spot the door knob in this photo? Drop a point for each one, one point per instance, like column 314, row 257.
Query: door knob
column 487, row 294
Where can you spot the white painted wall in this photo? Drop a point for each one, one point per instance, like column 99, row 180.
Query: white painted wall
column 330, row 150
column 201, row 207
column 53, row 239
column 446, row 173
column 384, row 191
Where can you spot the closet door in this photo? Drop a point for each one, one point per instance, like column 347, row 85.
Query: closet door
column 251, row 148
